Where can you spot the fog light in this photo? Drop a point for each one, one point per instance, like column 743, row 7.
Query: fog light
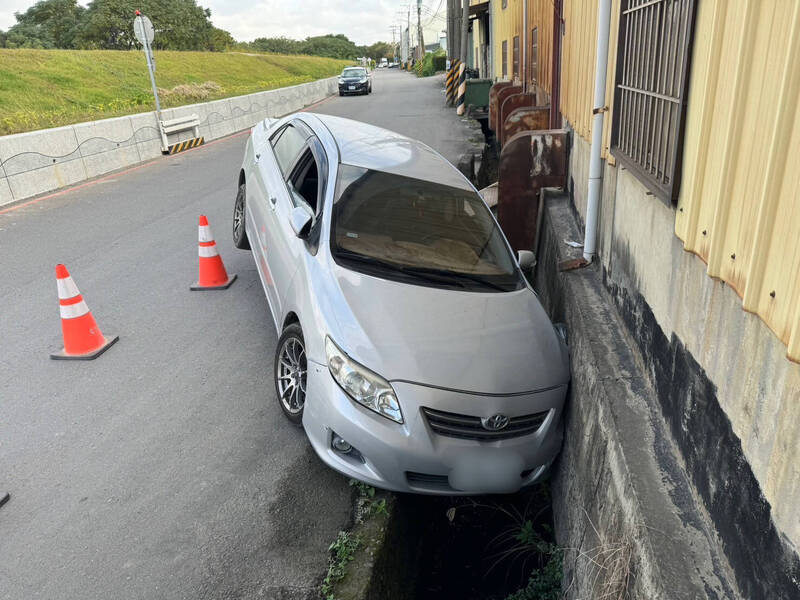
column 341, row 445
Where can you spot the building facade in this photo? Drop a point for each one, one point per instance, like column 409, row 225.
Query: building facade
column 699, row 234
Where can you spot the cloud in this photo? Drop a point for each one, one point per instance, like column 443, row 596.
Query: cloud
column 7, row 10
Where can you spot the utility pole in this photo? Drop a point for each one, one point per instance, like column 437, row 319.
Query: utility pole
column 409, row 31
column 420, row 41
column 462, row 76
column 456, row 18
column 394, row 29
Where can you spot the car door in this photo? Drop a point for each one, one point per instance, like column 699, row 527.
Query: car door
column 268, row 207
column 304, row 186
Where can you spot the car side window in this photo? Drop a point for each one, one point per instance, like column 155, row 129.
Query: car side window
column 287, row 144
column 304, row 181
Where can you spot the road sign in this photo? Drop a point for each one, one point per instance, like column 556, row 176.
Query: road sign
column 143, row 30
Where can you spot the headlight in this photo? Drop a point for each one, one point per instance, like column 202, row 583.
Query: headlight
column 364, row 80
column 341, row 81
column 362, row 385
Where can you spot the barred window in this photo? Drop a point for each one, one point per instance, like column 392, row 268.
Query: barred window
column 516, row 56
column 535, row 56
column 653, row 62
column 505, row 59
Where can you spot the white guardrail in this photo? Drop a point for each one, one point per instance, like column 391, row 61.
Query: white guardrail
column 42, row 161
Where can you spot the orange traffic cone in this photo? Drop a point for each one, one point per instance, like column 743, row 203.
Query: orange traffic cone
column 83, row 339
column 213, row 275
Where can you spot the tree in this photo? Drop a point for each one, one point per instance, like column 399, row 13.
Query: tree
column 333, row 46
column 179, row 25
column 46, row 24
column 379, row 50
column 279, row 45
column 219, row 40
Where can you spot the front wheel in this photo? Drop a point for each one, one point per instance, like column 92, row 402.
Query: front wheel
column 290, row 373
column 239, row 234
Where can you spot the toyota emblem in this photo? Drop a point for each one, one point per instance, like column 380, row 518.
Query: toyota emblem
column 495, row 422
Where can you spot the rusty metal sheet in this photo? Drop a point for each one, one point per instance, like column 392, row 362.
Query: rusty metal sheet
column 509, row 105
column 529, row 161
column 494, row 100
column 502, row 95
column 526, row 118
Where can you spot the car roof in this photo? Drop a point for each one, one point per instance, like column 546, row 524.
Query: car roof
column 371, row 147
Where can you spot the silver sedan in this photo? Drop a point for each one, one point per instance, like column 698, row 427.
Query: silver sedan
column 412, row 349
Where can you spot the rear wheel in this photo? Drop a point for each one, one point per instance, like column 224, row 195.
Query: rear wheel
column 239, row 233
column 290, row 373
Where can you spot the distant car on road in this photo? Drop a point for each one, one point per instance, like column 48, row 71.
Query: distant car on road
column 412, row 349
column 384, row 63
column 355, row 80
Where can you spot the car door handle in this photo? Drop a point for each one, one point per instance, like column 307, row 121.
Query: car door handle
column 257, row 157
column 273, row 201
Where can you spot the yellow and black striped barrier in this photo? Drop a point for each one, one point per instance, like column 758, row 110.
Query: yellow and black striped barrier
column 451, row 81
column 185, row 145
column 462, row 89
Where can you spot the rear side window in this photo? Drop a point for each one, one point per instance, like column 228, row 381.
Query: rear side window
column 287, row 145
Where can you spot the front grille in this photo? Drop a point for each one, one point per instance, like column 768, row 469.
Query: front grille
column 426, row 481
column 468, row 427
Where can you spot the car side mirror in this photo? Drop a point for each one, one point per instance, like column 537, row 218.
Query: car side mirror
column 526, row 259
column 300, row 221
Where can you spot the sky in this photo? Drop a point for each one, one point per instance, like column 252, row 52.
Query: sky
column 363, row 21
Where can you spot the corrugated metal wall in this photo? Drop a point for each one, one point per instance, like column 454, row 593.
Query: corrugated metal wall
column 577, row 68
column 540, row 16
column 506, row 23
column 739, row 208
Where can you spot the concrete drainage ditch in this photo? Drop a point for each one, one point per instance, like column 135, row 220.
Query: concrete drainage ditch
column 408, row 547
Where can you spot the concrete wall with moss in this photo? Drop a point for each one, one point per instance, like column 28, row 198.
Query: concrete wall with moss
column 726, row 388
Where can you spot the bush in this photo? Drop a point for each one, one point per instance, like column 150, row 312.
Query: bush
column 432, row 63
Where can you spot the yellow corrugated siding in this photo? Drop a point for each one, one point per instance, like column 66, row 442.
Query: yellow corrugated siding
column 540, row 16
column 506, row 23
column 739, row 208
column 577, row 68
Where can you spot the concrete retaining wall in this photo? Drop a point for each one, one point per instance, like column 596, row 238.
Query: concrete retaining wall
column 37, row 162
column 625, row 509
column 723, row 383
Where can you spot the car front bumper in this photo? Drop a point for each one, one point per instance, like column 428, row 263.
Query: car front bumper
column 344, row 88
column 411, row 457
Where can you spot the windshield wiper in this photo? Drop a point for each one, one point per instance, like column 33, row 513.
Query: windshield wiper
column 419, row 273
column 434, row 275
column 467, row 276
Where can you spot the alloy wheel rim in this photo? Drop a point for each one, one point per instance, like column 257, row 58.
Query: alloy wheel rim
column 292, row 368
column 238, row 217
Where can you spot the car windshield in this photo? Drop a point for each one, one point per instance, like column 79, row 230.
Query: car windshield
column 359, row 72
column 420, row 232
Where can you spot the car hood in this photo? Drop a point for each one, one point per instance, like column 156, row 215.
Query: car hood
column 492, row 343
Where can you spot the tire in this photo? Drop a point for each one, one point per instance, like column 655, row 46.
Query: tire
column 239, row 232
column 290, row 373
column 341, row 93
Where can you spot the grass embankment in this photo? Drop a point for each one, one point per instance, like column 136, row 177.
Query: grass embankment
column 49, row 88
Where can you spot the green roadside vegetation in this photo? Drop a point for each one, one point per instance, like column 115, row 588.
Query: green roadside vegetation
column 50, row 88
column 431, row 64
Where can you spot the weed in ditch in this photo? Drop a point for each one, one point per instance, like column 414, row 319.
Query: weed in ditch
column 545, row 583
column 342, row 551
column 367, row 505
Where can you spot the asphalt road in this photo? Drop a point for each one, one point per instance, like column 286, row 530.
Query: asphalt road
column 164, row 469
